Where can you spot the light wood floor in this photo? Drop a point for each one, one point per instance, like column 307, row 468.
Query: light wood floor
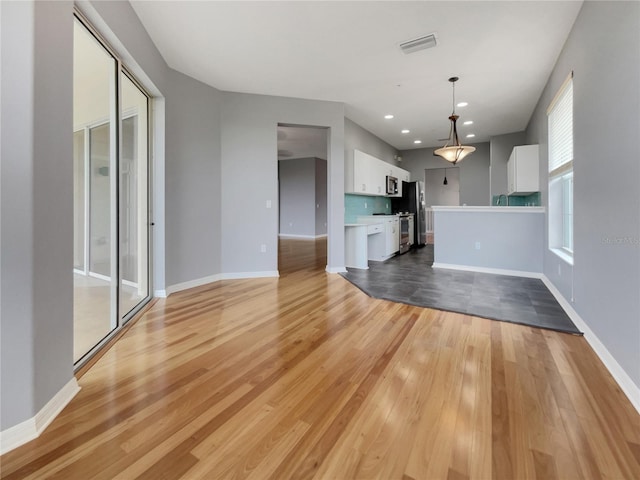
column 306, row 377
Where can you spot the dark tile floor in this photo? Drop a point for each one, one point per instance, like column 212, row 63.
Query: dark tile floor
column 410, row 279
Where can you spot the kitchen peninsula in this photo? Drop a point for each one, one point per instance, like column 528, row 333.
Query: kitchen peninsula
column 507, row 240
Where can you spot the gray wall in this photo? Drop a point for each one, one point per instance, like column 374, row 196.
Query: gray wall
column 507, row 240
column 501, row 147
column 321, row 197
column 37, row 190
column 298, row 197
column 250, row 177
column 356, row 137
column 603, row 50
column 474, row 171
column 37, row 206
column 187, row 166
column 193, row 180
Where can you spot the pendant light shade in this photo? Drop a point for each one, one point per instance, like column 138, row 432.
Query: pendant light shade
column 453, row 151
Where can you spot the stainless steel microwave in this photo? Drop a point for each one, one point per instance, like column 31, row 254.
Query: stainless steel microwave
column 392, row 185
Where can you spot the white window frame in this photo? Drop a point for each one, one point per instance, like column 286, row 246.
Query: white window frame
column 561, row 178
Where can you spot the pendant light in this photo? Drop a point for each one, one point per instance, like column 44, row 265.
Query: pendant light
column 445, row 178
column 453, row 151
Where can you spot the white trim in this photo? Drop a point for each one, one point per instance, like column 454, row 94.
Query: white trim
column 129, row 283
column 160, row 293
column 329, row 269
column 191, row 284
column 26, row 431
column 496, row 271
column 212, row 279
column 307, row 237
column 483, row 209
column 563, row 254
column 100, row 276
column 626, row 384
column 241, row 275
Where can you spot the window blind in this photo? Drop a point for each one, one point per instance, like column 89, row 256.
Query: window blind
column 561, row 129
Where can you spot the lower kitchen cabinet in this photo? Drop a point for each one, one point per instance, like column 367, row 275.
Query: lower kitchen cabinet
column 385, row 246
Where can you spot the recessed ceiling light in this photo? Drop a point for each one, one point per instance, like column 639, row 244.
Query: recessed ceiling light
column 405, row 131
column 468, row 122
column 471, row 135
column 417, row 141
column 462, row 104
column 388, row 117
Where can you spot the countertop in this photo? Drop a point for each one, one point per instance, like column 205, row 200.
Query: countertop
column 487, row 209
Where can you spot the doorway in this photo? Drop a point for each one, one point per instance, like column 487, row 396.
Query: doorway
column 302, row 197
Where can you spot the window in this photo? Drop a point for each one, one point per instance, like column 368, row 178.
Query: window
column 560, row 120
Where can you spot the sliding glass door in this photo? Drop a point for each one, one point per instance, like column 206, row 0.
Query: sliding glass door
column 134, row 208
column 111, row 226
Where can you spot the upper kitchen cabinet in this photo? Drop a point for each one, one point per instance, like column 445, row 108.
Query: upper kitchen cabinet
column 523, row 173
column 367, row 175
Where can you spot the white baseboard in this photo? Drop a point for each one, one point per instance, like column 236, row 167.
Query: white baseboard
column 630, row 389
column 32, row 428
column 496, row 271
column 241, row 275
column 211, row 279
column 192, row 284
column 301, row 237
column 329, row 269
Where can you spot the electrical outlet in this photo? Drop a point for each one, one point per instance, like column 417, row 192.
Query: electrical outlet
column 365, row 204
column 477, row 245
column 263, row 248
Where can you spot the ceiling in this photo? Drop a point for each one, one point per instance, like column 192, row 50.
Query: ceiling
column 503, row 52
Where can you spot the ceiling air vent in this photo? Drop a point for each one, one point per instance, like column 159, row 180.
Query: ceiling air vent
column 421, row 43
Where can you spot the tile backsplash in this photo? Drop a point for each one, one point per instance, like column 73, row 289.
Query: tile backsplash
column 355, row 205
column 532, row 200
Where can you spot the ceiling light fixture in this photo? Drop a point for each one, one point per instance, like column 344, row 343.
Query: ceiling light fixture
column 468, row 122
column 453, row 151
column 388, row 117
column 462, row 104
column 405, row 131
column 471, row 135
column 417, row 141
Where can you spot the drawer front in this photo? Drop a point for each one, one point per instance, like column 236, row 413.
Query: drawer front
column 376, row 228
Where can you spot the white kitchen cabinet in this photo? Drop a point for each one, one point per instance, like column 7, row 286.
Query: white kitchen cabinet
column 392, row 231
column 523, row 173
column 367, row 175
column 385, row 245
